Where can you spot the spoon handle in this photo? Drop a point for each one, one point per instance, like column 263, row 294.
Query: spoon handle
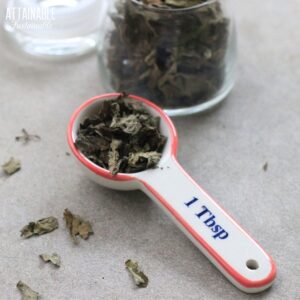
column 209, row 227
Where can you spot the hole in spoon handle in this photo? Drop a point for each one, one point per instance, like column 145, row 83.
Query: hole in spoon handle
column 209, row 227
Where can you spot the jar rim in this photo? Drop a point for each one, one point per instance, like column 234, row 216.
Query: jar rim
column 160, row 9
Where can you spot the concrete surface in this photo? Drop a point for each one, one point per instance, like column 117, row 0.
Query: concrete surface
column 224, row 151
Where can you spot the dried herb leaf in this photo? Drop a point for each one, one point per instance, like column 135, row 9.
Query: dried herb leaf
column 114, row 157
column 54, row 259
column 27, row 292
column 121, row 137
column 139, row 159
column 265, row 167
column 40, row 227
column 12, row 166
column 26, row 137
column 77, row 226
column 176, row 57
column 139, row 278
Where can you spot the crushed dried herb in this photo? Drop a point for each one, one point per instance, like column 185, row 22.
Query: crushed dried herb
column 265, row 167
column 40, row 227
column 54, row 259
column 176, row 57
column 77, row 226
column 139, row 278
column 26, row 137
column 12, row 166
column 27, row 292
column 121, row 137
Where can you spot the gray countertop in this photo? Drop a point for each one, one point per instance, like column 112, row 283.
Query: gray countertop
column 224, row 150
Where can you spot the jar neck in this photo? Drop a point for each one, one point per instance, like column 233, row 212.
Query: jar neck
column 158, row 9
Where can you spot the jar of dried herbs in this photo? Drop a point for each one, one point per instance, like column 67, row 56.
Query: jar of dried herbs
column 179, row 53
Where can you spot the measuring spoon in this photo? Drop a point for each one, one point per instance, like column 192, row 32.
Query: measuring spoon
column 216, row 234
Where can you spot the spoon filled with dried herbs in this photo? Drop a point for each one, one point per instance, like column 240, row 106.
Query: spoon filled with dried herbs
column 126, row 142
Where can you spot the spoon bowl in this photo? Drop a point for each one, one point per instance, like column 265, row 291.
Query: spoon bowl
column 121, row 181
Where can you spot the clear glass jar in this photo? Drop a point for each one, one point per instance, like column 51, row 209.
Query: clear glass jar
column 55, row 28
column 181, row 58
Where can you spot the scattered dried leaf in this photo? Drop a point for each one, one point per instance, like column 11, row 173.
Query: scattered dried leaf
column 139, row 278
column 26, row 137
column 77, row 226
column 27, row 292
column 12, row 166
column 54, row 259
column 40, row 227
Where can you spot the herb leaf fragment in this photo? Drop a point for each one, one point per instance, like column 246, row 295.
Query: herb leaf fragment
column 27, row 292
column 40, row 227
column 12, row 166
column 77, row 226
column 139, row 278
column 54, row 259
column 26, row 137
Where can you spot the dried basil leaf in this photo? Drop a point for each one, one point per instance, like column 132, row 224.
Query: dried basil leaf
column 12, row 166
column 40, row 227
column 265, row 167
column 129, row 124
column 139, row 278
column 114, row 157
column 54, row 259
column 26, row 137
column 139, row 159
column 27, row 292
column 121, row 137
column 77, row 226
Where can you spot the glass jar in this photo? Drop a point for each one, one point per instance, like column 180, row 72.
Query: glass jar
column 183, row 59
column 55, row 28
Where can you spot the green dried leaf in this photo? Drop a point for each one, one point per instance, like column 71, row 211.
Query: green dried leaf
column 114, row 161
column 77, row 226
column 26, row 137
column 40, row 227
column 139, row 278
column 129, row 124
column 27, row 292
column 265, row 167
column 54, row 259
column 12, row 166
column 121, row 137
column 139, row 159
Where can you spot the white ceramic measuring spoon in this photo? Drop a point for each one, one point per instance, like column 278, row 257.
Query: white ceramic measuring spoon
column 200, row 217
